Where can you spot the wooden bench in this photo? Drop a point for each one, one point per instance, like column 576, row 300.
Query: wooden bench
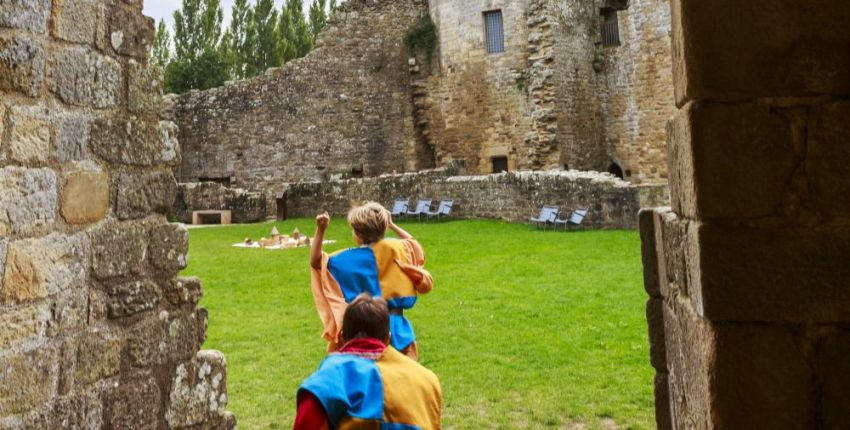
column 197, row 216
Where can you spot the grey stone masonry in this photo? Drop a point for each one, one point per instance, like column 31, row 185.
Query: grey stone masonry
column 97, row 330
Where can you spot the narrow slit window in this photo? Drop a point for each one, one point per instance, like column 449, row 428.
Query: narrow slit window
column 610, row 28
column 495, row 32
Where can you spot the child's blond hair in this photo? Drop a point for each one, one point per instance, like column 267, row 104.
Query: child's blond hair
column 369, row 221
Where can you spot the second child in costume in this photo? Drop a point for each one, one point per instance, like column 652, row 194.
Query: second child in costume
column 388, row 268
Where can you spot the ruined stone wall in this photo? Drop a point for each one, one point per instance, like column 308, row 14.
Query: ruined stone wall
column 575, row 26
column 344, row 109
column 509, row 196
column 96, row 328
column 636, row 89
column 747, row 272
column 478, row 104
column 245, row 206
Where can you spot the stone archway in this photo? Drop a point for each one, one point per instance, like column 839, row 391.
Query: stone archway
column 748, row 271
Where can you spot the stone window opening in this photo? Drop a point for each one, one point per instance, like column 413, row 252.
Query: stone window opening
column 610, row 27
column 494, row 31
column 500, row 164
column 616, row 170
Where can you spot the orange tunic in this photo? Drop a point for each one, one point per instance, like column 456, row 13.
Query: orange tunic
column 390, row 268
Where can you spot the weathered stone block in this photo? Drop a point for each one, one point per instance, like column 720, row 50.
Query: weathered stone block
column 136, row 141
column 674, row 233
column 655, row 322
column 690, row 350
column 806, row 54
column 23, row 323
column 663, row 419
column 36, row 268
column 69, row 311
column 119, row 250
column 827, row 163
column 145, row 89
column 79, row 21
column 82, row 77
column 29, row 134
column 98, row 356
column 183, row 291
column 21, row 64
column 28, row 379
column 139, row 194
column 761, row 379
column 835, row 368
column 169, row 338
column 71, row 137
column 198, row 391
column 134, row 404
column 130, row 298
column 729, row 161
column 85, row 197
column 649, row 254
column 29, row 15
column 168, row 248
column 130, row 32
column 778, row 274
column 76, row 411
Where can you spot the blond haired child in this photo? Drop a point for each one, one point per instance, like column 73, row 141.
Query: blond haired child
column 388, row 268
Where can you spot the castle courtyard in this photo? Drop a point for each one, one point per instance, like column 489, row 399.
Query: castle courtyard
column 526, row 328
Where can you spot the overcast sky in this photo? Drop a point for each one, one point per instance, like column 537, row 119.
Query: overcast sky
column 159, row 9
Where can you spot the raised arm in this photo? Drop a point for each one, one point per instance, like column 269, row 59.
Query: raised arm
column 322, row 221
column 400, row 232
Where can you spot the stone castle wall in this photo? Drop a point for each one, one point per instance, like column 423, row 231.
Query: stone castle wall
column 356, row 107
column 636, row 89
column 344, row 109
column 477, row 105
column 613, row 203
column 96, row 328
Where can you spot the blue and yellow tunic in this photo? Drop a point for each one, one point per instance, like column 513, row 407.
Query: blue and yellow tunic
column 390, row 393
column 389, row 268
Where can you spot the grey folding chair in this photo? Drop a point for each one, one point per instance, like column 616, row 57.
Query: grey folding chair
column 422, row 206
column 547, row 216
column 400, row 207
column 443, row 210
column 575, row 218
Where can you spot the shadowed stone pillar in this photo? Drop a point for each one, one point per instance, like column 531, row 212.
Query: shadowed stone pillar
column 749, row 272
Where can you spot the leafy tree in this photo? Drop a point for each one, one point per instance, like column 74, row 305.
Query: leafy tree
column 318, row 17
column 198, row 63
column 295, row 30
column 237, row 43
column 161, row 53
column 264, row 24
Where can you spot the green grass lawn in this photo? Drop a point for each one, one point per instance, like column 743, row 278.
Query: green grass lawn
column 525, row 328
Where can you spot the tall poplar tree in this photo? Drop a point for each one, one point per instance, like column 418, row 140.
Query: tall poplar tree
column 161, row 52
column 318, row 17
column 299, row 35
column 238, row 43
column 198, row 61
column 266, row 52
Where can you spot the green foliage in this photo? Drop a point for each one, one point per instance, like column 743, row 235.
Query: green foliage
column 525, row 328
column 199, row 61
column 422, row 37
column 318, row 17
column 161, row 51
column 238, row 41
column 264, row 30
column 296, row 40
